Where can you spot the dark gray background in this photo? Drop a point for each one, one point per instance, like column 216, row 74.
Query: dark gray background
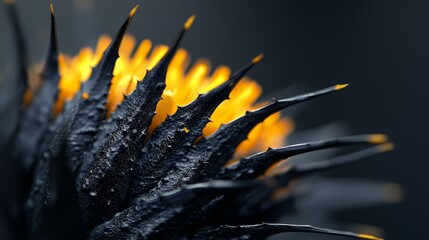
column 379, row 47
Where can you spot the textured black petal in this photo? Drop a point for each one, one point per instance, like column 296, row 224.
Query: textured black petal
column 104, row 184
column 36, row 118
column 175, row 136
column 164, row 216
column 90, row 108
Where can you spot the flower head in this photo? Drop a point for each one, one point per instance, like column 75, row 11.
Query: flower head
column 120, row 145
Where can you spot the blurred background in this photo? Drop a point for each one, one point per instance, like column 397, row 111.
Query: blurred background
column 379, row 47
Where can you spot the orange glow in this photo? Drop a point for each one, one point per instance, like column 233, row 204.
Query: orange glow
column 183, row 86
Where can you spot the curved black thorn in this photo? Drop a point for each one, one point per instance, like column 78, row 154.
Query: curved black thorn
column 267, row 229
column 312, row 167
column 166, row 59
column 234, row 79
column 260, row 162
column 110, row 55
column 115, row 44
column 300, row 170
column 278, row 105
column 51, row 65
column 229, row 85
column 90, row 108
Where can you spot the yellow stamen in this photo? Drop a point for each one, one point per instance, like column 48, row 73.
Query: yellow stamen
column 186, row 130
column 51, row 7
column 183, row 86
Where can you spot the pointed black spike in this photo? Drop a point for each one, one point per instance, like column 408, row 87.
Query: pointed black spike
column 51, row 65
column 318, row 166
column 112, row 165
column 298, row 170
column 257, row 164
column 31, row 126
column 90, row 108
column 97, row 82
column 36, row 118
column 177, row 134
column 208, row 158
column 162, row 65
column 278, row 105
column 264, row 230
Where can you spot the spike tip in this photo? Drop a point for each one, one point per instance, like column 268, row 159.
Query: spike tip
column 378, row 138
column 257, row 58
column 189, row 22
column 133, row 11
column 341, row 86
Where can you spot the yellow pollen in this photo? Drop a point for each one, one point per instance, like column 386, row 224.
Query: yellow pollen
column 186, row 130
column 51, row 7
column 85, row 96
column 184, row 83
column 341, row 86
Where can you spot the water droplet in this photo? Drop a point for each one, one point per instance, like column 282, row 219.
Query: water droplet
column 93, row 194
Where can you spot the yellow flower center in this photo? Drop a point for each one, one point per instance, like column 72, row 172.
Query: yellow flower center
column 183, row 86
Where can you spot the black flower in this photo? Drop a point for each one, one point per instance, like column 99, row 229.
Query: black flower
column 87, row 167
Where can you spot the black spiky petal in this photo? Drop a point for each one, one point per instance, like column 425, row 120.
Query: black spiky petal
column 80, row 175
